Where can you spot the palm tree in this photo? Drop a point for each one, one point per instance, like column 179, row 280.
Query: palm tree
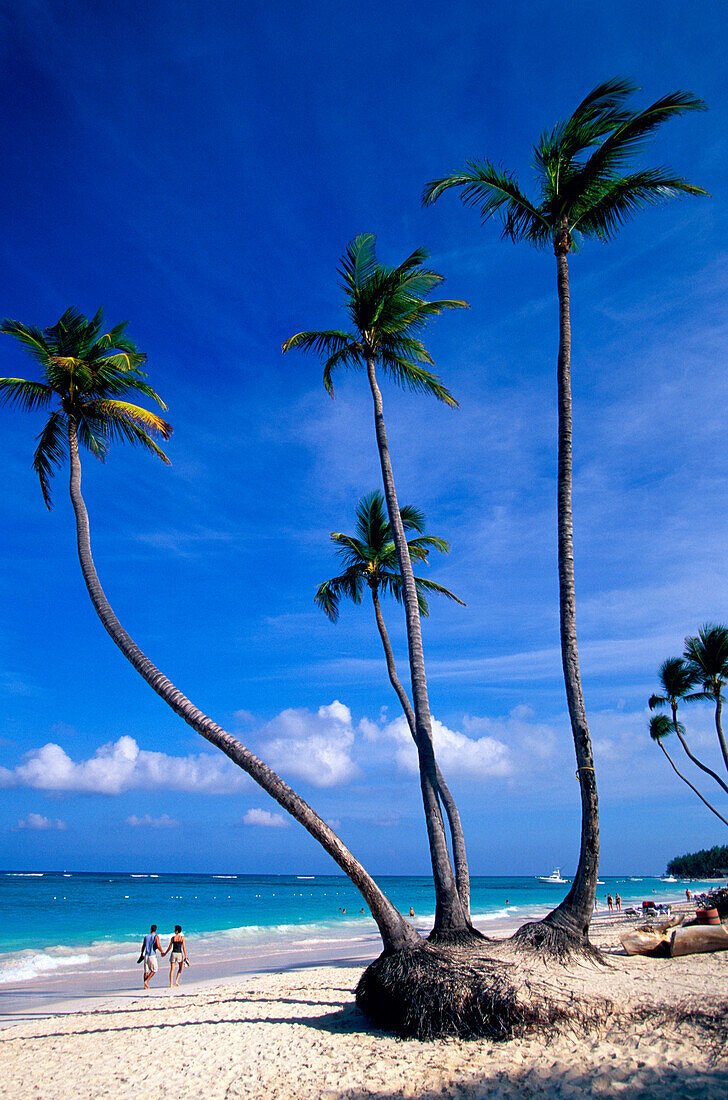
column 677, row 679
column 370, row 560
column 586, row 191
column 706, row 656
column 660, row 728
column 388, row 308
column 87, row 373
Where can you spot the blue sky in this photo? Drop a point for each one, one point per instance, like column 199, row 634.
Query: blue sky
column 198, row 171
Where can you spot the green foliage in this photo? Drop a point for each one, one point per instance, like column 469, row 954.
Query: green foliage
column 86, row 373
column 370, row 558
column 581, row 165
column 387, row 307
column 707, row 863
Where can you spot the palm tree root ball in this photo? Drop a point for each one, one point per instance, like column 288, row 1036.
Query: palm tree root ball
column 458, row 990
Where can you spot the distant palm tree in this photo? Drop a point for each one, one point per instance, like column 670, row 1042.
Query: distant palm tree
column 677, row 680
column 371, row 560
column 660, row 728
column 706, row 656
column 388, row 309
column 86, row 374
column 586, row 190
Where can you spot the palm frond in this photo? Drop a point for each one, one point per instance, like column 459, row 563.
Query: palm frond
column 359, row 262
column 327, row 342
column 430, row 542
column 432, row 586
column 50, row 453
column 348, row 585
column 116, row 422
column 30, row 337
column 413, row 377
column 413, row 519
column 27, row 395
column 93, row 434
column 662, row 726
column 603, row 213
column 493, row 190
column 123, row 410
column 657, row 701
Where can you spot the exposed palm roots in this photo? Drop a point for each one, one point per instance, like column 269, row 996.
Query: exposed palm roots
column 460, row 990
column 553, row 942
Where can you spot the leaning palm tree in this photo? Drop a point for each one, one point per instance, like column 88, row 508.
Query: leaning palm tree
column 87, row 374
column 706, row 655
column 388, row 309
column 660, row 728
column 588, row 191
column 677, row 681
column 370, row 561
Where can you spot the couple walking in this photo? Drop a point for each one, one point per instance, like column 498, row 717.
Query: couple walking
column 176, row 950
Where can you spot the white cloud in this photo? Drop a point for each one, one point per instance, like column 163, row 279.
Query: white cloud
column 314, row 747
column 40, row 823
column 122, row 766
column 164, row 821
column 457, row 754
column 265, row 819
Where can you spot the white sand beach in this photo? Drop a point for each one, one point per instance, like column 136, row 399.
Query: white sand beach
column 298, row 1034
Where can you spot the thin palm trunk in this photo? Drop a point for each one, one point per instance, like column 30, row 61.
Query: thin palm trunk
column 449, row 915
column 575, row 911
column 698, row 763
column 692, row 788
column 395, row 931
column 460, row 856
column 719, row 725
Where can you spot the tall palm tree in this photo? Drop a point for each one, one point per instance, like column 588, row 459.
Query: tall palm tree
column 660, row 728
column 677, row 680
column 388, row 309
column 86, row 374
column 706, row 655
column 586, row 190
column 370, row 560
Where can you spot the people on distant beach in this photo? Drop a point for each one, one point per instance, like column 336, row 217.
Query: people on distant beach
column 618, row 903
column 412, row 912
column 151, row 944
column 610, row 903
column 178, row 954
column 596, row 905
column 687, row 893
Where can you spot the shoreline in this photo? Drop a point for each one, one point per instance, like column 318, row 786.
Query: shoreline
column 297, row 1035
column 67, row 992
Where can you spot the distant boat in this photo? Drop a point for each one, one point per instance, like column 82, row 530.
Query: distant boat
column 600, row 882
column 555, row 876
column 668, row 878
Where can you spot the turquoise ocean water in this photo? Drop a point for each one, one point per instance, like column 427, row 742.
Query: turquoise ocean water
column 53, row 921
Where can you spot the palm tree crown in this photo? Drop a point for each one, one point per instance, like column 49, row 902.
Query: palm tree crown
column 706, row 657
column 582, row 167
column 388, row 308
column 677, row 679
column 86, row 374
column 370, row 558
column 661, row 726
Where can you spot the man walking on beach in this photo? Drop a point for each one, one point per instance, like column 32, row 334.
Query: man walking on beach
column 150, row 944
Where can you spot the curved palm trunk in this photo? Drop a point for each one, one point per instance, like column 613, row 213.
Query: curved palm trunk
column 449, row 915
column 460, row 857
column 396, row 932
column 719, row 726
column 698, row 763
column 574, row 913
column 692, row 788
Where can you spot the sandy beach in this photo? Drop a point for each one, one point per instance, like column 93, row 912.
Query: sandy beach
column 298, row 1034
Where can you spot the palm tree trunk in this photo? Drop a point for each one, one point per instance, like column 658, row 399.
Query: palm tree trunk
column 396, row 932
column 698, row 763
column 575, row 911
column 692, row 788
column 460, row 856
column 449, row 915
column 719, row 726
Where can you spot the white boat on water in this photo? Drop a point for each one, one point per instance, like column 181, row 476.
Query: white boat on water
column 554, row 877
column 668, row 878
